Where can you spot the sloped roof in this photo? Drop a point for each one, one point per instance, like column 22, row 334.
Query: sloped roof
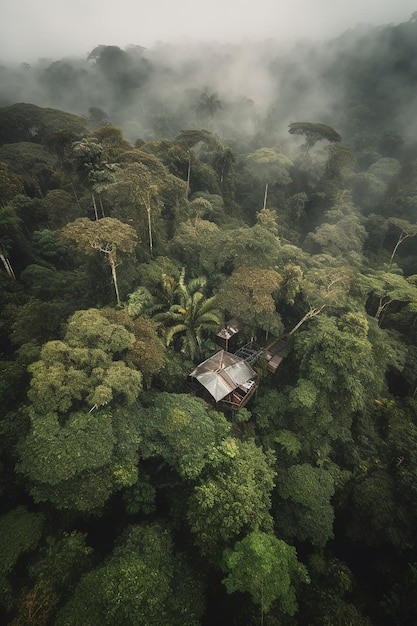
column 232, row 327
column 222, row 373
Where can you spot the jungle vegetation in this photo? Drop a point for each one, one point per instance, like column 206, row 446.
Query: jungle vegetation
column 125, row 500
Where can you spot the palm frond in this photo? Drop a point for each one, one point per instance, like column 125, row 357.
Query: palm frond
column 191, row 345
column 168, row 316
column 181, row 288
column 174, row 330
column 208, row 304
column 197, row 297
column 196, row 284
column 209, row 318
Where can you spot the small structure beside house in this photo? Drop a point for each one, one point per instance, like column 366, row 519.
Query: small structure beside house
column 228, row 333
column 224, row 380
column 228, row 381
column 273, row 353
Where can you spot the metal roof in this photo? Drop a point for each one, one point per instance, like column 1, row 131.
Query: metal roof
column 222, row 373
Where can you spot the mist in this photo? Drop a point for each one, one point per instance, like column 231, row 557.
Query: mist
column 266, row 68
column 44, row 29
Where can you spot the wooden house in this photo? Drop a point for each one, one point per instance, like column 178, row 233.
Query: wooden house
column 224, row 380
column 228, row 333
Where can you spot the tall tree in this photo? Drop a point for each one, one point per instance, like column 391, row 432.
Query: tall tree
column 248, row 293
column 325, row 286
column 75, row 455
column 337, row 366
column 232, row 497
column 95, row 172
column 208, row 105
column 268, row 569
column 136, row 194
column 386, row 288
column 407, row 230
column 257, row 247
column 269, row 166
column 107, row 236
column 314, row 132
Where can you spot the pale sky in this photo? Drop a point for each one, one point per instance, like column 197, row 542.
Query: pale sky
column 32, row 29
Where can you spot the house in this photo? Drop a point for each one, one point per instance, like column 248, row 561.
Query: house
column 224, row 380
column 229, row 332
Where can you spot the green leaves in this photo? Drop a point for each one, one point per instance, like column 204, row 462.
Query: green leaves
column 376, row 509
column 81, row 370
column 248, row 292
column 233, row 498
column 53, row 453
column 338, row 363
column 91, row 329
column 74, row 456
column 314, row 132
column 182, row 430
column 62, row 559
column 267, row 568
column 388, row 287
column 306, row 512
column 20, row 531
column 267, row 164
column 143, row 582
column 289, row 441
column 192, row 316
column 107, row 235
column 104, row 235
column 79, row 464
column 229, row 249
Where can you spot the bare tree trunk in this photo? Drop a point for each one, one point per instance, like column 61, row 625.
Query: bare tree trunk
column 95, row 206
column 146, row 200
column 148, row 210
column 313, row 312
column 401, row 238
column 101, row 206
column 265, row 195
column 187, row 189
column 381, row 306
column 7, row 266
column 384, row 301
column 75, row 196
column 380, row 312
column 112, row 261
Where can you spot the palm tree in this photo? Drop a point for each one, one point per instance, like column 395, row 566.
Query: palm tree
column 208, row 105
column 192, row 316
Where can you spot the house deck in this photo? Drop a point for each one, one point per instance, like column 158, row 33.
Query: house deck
column 225, row 380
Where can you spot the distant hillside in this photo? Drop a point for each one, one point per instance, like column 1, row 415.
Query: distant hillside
column 28, row 122
column 362, row 82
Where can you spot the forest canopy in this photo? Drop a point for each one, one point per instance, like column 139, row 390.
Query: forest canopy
column 151, row 219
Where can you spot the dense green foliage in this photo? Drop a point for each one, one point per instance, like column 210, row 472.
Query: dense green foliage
column 128, row 236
